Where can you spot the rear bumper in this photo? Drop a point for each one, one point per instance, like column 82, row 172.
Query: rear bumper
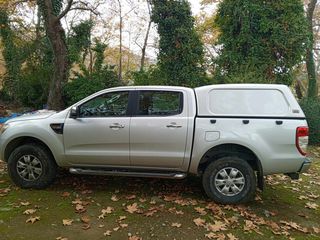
column 305, row 165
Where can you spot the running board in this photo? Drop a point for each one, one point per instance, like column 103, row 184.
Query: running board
column 80, row 171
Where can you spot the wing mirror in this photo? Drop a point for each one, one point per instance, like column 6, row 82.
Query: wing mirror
column 74, row 112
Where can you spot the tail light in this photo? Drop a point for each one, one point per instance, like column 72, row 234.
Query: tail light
column 302, row 138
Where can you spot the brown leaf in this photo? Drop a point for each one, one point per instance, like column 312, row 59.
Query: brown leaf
column 177, row 225
column 33, row 219
column 316, row 230
column 85, row 219
column 231, row 236
column 61, row 238
column 122, row 218
column 116, row 229
column 107, row 233
column 80, row 208
column 212, row 235
column 29, row 211
column 123, row 225
column 67, row 222
column 312, row 205
column 85, row 226
column 130, row 197
column 199, row 221
column 77, row 201
column 134, row 238
column 106, row 211
column 132, row 208
column 216, row 227
column 200, row 210
column 24, row 203
column 114, row 198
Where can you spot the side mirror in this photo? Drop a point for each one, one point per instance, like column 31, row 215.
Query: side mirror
column 74, row 112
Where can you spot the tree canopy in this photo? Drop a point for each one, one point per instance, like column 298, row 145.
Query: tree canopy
column 266, row 39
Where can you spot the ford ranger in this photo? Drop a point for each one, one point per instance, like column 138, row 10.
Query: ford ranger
column 230, row 135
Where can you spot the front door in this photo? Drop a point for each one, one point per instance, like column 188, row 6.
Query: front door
column 100, row 134
column 158, row 130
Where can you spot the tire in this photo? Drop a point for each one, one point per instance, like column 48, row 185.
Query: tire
column 32, row 166
column 229, row 180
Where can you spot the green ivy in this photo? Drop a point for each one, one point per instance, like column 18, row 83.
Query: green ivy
column 181, row 52
column 265, row 37
column 311, row 108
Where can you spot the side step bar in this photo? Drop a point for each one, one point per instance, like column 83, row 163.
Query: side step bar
column 102, row 172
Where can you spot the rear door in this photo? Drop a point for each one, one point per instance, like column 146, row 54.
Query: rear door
column 158, row 130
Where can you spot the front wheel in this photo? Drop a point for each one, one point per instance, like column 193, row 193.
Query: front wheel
column 31, row 166
column 229, row 180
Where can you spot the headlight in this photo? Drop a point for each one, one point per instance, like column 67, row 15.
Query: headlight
column 3, row 127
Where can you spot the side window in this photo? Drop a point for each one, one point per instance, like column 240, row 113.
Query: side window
column 160, row 103
column 112, row 104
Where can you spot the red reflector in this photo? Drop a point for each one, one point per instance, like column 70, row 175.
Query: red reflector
column 302, row 131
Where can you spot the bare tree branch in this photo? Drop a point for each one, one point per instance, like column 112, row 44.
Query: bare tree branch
column 66, row 10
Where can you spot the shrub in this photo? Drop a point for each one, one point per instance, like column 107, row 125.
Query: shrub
column 311, row 108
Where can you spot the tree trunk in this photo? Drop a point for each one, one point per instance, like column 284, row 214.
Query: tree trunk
column 120, row 44
column 143, row 50
column 56, row 35
column 312, row 84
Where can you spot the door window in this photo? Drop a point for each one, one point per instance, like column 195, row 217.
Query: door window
column 160, row 103
column 113, row 104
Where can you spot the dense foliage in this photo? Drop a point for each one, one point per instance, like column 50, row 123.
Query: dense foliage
column 311, row 108
column 90, row 80
column 265, row 38
column 180, row 49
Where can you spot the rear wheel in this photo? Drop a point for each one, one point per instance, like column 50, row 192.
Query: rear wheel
column 229, row 180
column 31, row 166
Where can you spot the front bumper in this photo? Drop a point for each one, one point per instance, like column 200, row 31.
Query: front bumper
column 305, row 165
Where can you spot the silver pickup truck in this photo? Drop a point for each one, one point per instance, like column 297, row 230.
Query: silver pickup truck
column 230, row 135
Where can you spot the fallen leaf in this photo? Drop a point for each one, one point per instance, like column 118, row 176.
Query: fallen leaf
column 134, row 238
column 200, row 210
column 29, row 211
column 316, row 230
column 107, row 233
column 231, row 236
column 67, row 222
column 130, row 197
column 199, row 221
column 114, row 198
column 176, row 225
column 105, row 211
column 122, row 218
column 216, row 227
column 132, row 208
column 85, row 219
column 123, row 225
column 212, row 235
column 61, row 238
column 80, row 208
column 24, row 203
column 116, row 229
column 85, row 226
column 312, row 205
column 33, row 219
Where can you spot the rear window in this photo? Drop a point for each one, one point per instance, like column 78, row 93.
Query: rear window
column 268, row 102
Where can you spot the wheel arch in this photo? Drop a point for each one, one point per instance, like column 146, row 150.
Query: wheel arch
column 19, row 141
column 230, row 150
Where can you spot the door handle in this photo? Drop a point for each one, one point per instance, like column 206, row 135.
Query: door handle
column 116, row 126
column 174, row 125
